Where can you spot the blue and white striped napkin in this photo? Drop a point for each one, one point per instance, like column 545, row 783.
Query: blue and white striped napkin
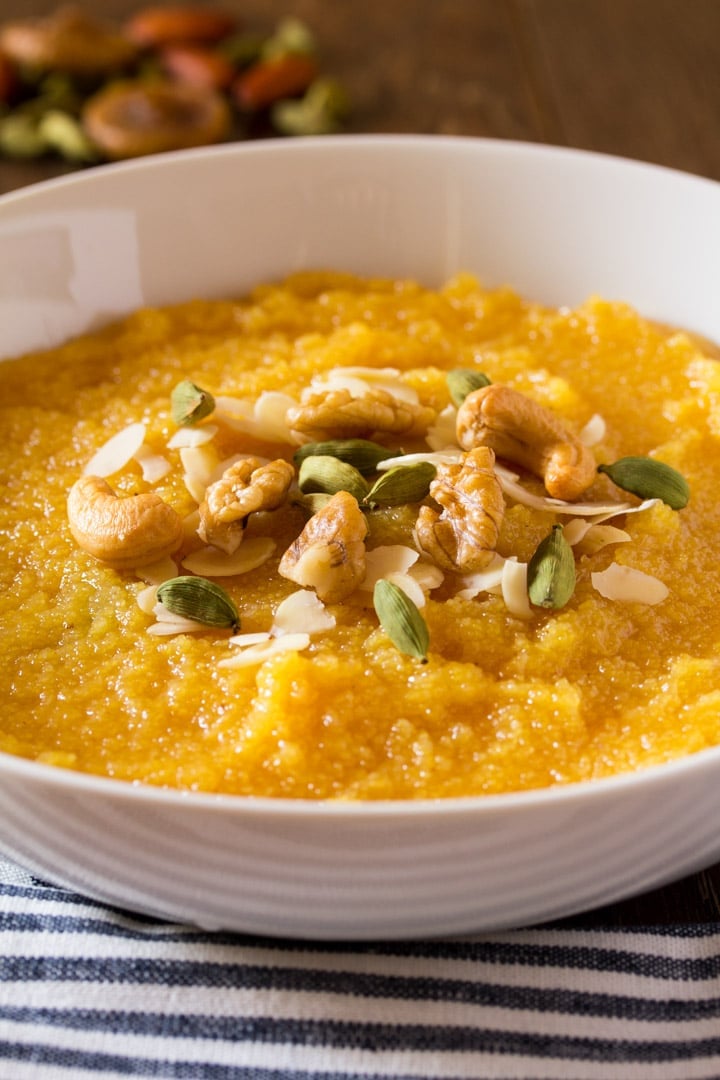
column 88, row 991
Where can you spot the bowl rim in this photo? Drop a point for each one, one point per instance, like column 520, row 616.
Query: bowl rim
column 351, row 143
column 68, row 781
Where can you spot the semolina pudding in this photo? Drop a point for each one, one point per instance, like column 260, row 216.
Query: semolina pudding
column 359, row 539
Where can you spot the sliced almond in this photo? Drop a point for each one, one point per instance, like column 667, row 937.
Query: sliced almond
column 192, row 436
column 258, row 654
column 514, row 588
column 116, row 452
column 212, row 562
column 302, row 612
column 628, row 585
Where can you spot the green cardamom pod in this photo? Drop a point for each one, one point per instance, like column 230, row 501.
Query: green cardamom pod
column 199, row 599
column 313, row 502
column 402, row 484
column 551, row 571
column 328, row 474
column 401, row 620
column 364, row 455
column 649, row 479
column 190, row 403
column 463, row 381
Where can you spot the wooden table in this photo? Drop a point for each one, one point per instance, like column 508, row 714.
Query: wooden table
column 638, row 78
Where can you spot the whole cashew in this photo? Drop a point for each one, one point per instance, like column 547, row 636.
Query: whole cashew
column 124, row 532
column 525, row 432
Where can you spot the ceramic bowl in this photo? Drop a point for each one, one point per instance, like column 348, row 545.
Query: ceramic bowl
column 558, row 225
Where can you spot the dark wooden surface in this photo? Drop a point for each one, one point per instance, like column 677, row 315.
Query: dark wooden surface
column 638, row 78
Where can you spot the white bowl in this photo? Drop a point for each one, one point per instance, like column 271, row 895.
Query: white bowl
column 558, row 225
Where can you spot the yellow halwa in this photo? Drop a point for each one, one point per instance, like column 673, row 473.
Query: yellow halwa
column 503, row 704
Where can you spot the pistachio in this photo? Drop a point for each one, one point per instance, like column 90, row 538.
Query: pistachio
column 199, row 599
column 462, row 381
column 401, row 620
column 63, row 133
column 402, row 484
column 291, row 36
column 649, row 479
column 551, row 571
column 319, row 112
column 363, row 454
column 190, row 403
column 328, row 474
column 20, row 137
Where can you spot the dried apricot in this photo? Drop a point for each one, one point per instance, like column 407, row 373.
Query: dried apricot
column 198, row 66
column 135, row 118
column 268, row 81
column 156, row 26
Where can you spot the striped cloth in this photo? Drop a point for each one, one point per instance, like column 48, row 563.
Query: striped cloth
column 89, row 991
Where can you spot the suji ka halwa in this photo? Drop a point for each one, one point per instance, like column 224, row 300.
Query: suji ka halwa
column 359, row 539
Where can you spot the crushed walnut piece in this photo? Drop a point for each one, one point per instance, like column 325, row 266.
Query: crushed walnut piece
column 244, row 488
column 329, row 554
column 336, row 414
column 462, row 537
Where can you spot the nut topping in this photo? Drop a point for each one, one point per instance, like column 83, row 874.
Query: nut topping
column 244, row 488
column 329, row 554
column 525, row 432
column 463, row 536
column 338, row 415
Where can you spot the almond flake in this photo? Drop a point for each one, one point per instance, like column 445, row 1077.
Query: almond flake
column 599, row 536
column 302, row 611
column 434, row 457
column 387, row 559
column 514, row 588
column 156, row 572
column 116, row 452
column 177, row 626
column 629, row 585
column 409, row 586
column 358, row 380
column 427, row 574
column 508, row 482
column 211, row 562
column 154, row 466
column 594, row 431
column 249, row 639
column 263, row 419
column 443, row 433
column 192, row 436
column 258, row 654
column 147, row 599
column 483, row 580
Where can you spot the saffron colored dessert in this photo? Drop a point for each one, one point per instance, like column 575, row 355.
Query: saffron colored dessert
column 359, row 539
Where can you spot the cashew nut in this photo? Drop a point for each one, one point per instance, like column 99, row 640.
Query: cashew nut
column 124, row 532
column 525, row 432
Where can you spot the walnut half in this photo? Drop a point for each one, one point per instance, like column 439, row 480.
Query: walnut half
column 329, row 554
column 336, row 414
column 464, row 535
column 244, row 488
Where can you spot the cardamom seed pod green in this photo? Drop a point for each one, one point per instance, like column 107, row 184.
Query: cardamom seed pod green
column 649, row 479
column 364, row 455
column 190, row 403
column 313, row 502
column 401, row 484
column 329, row 474
column 199, row 599
column 551, row 571
column 401, row 620
column 463, row 381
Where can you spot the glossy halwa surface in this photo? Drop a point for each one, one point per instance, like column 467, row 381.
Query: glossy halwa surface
column 598, row 688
